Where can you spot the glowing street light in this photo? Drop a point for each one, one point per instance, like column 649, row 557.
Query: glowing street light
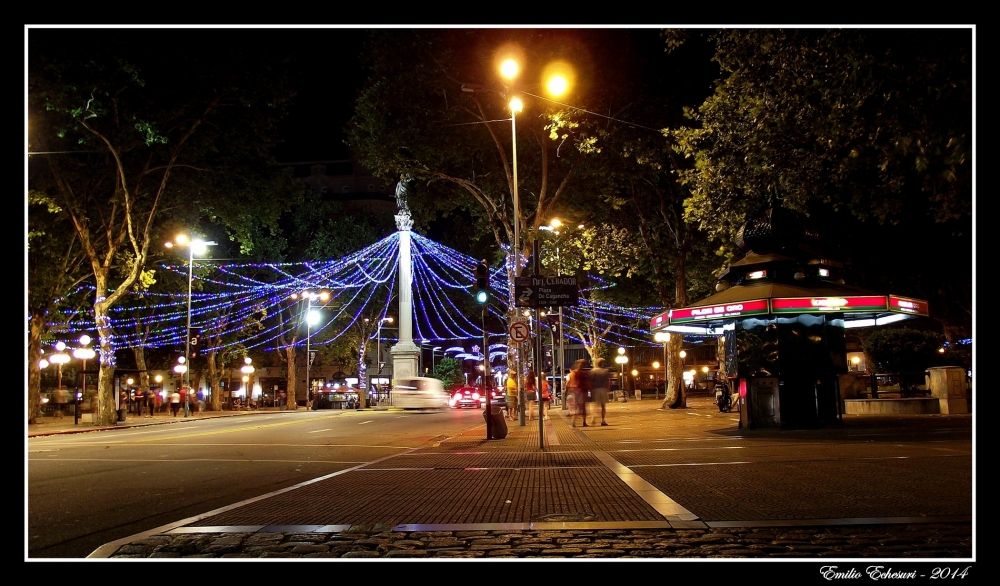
column 312, row 318
column 248, row 370
column 622, row 360
column 194, row 246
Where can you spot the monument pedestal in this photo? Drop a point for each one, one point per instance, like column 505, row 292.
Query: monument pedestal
column 405, row 357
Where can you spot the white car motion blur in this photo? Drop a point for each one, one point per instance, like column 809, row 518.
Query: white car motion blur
column 419, row 392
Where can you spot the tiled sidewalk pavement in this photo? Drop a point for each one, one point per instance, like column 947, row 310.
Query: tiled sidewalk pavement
column 893, row 541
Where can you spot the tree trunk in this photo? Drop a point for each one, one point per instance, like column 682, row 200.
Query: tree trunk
column 35, row 326
column 214, row 380
column 140, row 363
column 675, row 396
column 292, row 378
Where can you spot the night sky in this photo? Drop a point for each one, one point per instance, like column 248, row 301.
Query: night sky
column 326, row 71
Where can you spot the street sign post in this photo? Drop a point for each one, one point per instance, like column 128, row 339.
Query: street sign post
column 546, row 291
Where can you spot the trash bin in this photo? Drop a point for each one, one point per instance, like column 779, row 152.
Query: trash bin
column 121, row 415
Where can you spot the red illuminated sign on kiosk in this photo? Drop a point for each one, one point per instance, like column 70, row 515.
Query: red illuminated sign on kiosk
column 829, row 304
column 659, row 320
column 907, row 305
column 735, row 309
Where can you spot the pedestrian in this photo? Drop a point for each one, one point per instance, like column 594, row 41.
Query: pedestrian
column 192, row 402
column 150, row 399
column 201, row 401
column 175, row 402
column 137, row 401
column 185, row 401
column 530, row 394
column 577, row 385
column 511, row 395
column 159, row 401
column 546, row 398
column 599, row 383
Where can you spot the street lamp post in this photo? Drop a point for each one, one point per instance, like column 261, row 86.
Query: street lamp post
column 201, row 246
column 622, row 360
column 247, row 371
column 663, row 337
column 159, row 382
column 60, row 358
column 180, row 368
column 378, row 351
column 433, row 354
column 83, row 354
column 311, row 319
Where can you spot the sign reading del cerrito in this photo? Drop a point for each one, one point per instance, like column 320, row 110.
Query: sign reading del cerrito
column 829, row 304
column 735, row 309
column 907, row 305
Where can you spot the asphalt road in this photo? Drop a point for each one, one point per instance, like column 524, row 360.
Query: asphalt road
column 85, row 490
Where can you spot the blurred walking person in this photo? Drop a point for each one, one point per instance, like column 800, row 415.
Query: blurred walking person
column 150, row 403
column 175, row 402
column 599, row 384
column 577, row 385
column 530, row 394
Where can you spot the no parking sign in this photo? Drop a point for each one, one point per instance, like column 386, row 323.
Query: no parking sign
column 519, row 332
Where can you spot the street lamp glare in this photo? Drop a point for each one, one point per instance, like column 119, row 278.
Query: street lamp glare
column 558, row 78
column 509, row 68
column 555, row 223
column 516, row 105
column 557, row 85
column 60, row 346
column 621, row 350
column 84, row 340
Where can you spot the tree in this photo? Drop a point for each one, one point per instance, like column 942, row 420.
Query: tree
column 56, row 267
column 867, row 131
column 449, row 372
column 146, row 131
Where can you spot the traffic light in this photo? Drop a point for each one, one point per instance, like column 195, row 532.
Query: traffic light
column 482, row 282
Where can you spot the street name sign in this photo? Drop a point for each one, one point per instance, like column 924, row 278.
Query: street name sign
column 545, row 291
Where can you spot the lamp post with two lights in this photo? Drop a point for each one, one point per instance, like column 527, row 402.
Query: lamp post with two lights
column 200, row 247
column 378, row 351
column 622, row 360
column 83, row 353
column 663, row 337
column 311, row 318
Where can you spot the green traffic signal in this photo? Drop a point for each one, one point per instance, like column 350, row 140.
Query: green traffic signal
column 481, row 276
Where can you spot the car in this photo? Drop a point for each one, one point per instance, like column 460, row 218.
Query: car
column 466, row 397
column 419, row 392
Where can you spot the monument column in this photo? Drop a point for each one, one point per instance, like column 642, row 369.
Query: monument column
column 405, row 354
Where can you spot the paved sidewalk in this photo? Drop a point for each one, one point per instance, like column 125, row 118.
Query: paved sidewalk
column 654, row 483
